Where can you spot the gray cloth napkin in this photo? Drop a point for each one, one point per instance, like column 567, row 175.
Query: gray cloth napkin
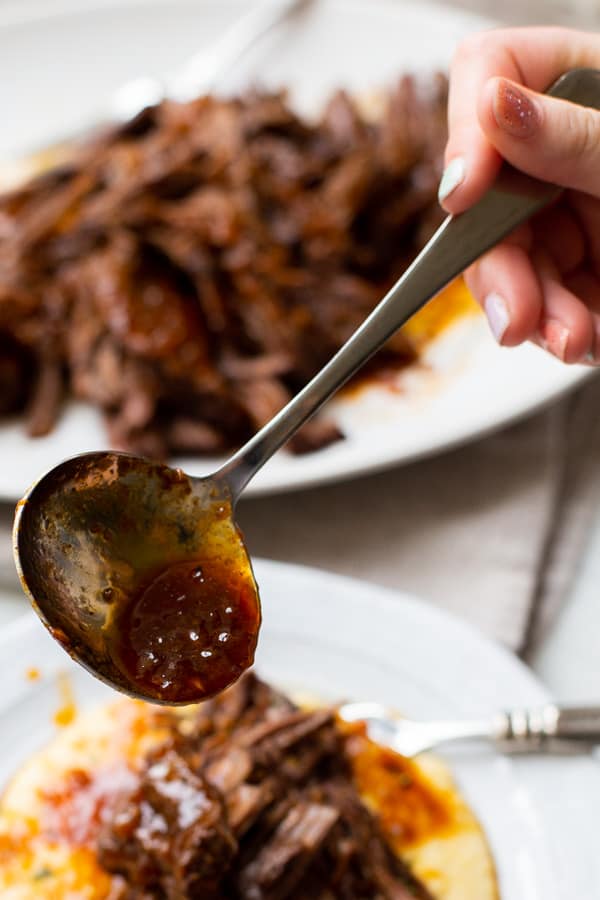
column 576, row 13
column 492, row 531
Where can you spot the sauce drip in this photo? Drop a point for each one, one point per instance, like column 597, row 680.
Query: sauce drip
column 67, row 710
column 189, row 631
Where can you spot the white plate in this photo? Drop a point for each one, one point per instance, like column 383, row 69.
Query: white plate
column 339, row 638
column 59, row 59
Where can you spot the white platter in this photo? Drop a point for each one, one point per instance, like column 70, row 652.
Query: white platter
column 339, row 638
column 59, row 59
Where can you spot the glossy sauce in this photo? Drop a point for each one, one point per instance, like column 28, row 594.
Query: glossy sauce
column 75, row 808
column 411, row 809
column 445, row 309
column 189, row 631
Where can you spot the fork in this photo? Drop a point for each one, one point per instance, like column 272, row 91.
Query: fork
column 519, row 730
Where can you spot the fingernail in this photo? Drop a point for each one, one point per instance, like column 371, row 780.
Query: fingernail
column 554, row 337
column 592, row 356
column 497, row 314
column 454, row 174
column 515, row 111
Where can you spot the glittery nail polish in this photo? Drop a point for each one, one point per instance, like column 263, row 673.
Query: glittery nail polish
column 515, row 111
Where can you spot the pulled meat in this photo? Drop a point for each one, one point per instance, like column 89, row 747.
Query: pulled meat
column 188, row 272
column 171, row 830
column 254, row 802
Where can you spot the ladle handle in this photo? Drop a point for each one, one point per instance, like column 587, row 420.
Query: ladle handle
column 458, row 242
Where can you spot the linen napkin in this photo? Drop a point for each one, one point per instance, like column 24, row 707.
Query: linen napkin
column 575, row 13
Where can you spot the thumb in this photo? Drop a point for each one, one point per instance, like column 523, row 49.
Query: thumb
column 551, row 139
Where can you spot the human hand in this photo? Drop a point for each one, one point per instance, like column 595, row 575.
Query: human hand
column 543, row 282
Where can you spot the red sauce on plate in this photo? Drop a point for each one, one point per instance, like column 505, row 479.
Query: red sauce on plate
column 411, row 808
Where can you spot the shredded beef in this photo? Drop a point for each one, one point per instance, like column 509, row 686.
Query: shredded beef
column 255, row 801
column 171, row 831
column 188, row 272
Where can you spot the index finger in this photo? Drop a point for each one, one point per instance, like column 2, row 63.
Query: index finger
column 534, row 57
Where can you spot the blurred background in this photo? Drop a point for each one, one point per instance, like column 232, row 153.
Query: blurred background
column 575, row 13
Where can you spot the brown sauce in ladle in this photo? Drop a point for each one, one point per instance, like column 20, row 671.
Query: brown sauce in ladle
column 142, row 574
column 189, row 632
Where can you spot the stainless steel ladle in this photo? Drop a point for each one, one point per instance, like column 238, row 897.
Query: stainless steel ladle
column 87, row 527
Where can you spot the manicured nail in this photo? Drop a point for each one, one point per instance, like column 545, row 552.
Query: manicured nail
column 554, row 337
column 497, row 314
column 515, row 111
column 592, row 356
column 454, row 174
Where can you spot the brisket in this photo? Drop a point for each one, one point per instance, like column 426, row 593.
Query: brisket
column 187, row 273
column 253, row 800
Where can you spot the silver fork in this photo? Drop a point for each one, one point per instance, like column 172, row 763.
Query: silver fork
column 519, row 730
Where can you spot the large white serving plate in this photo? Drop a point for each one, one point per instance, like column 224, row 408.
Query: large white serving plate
column 337, row 638
column 59, row 62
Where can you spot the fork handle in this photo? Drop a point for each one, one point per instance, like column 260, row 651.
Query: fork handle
column 551, row 722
